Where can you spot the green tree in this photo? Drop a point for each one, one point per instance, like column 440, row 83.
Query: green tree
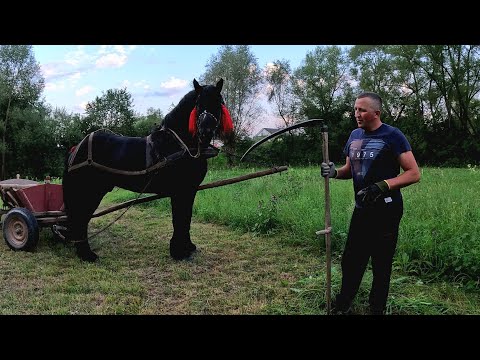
column 68, row 127
column 34, row 143
column 280, row 91
column 377, row 68
column 144, row 124
column 21, row 85
column 323, row 87
column 113, row 110
column 430, row 91
column 455, row 70
column 322, row 81
column 238, row 66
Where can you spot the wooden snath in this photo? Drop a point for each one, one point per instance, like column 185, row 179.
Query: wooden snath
column 328, row 228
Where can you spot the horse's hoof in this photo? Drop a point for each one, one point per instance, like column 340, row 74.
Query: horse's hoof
column 91, row 258
column 88, row 256
column 184, row 255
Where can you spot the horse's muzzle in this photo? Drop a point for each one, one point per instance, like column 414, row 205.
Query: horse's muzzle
column 205, row 137
column 207, row 125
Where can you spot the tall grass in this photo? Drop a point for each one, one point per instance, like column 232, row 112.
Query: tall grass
column 439, row 233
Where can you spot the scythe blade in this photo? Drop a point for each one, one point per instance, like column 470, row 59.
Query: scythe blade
column 306, row 123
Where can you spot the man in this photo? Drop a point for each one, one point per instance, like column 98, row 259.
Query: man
column 374, row 154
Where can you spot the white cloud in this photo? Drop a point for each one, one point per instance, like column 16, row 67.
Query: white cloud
column 122, row 49
column 81, row 107
column 106, row 56
column 84, row 90
column 54, row 86
column 77, row 56
column 111, row 60
column 49, row 70
column 174, row 83
column 74, row 78
column 142, row 84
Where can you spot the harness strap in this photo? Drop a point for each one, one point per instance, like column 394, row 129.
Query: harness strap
column 184, row 145
column 74, row 154
column 90, row 142
column 90, row 162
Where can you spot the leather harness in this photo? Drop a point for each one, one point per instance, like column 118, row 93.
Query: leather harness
column 211, row 151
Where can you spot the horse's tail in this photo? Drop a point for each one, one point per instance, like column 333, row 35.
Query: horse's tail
column 68, row 157
column 68, row 161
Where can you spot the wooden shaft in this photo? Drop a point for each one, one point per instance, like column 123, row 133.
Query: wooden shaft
column 201, row 187
column 327, row 224
column 48, row 217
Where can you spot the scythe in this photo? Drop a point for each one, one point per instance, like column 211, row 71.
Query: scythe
column 301, row 124
column 328, row 228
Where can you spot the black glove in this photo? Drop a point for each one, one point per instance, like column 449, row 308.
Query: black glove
column 370, row 194
column 328, row 170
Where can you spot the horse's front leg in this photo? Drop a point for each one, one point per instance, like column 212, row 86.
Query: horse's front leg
column 181, row 246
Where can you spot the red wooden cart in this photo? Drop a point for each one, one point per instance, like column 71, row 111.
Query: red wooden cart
column 27, row 206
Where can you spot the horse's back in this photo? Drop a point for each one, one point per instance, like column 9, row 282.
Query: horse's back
column 115, row 151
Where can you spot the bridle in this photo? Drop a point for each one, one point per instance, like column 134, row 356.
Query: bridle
column 203, row 115
column 200, row 117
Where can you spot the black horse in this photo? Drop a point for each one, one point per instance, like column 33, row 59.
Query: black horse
column 171, row 161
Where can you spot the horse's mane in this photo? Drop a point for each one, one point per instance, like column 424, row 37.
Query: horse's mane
column 178, row 117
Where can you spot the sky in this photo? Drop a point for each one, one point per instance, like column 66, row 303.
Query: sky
column 156, row 76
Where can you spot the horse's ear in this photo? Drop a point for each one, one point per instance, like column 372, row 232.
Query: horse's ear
column 197, row 86
column 220, row 85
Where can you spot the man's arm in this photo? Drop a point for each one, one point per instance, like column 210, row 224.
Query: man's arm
column 410, row 175
column 345, row 171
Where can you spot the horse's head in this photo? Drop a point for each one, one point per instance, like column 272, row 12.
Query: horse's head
column 210, row 113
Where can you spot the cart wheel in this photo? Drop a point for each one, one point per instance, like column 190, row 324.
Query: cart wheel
column 20, row 229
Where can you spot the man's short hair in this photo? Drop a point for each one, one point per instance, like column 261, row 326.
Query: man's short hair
column 374, row 96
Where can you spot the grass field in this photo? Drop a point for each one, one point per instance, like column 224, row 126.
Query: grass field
column 258, row 253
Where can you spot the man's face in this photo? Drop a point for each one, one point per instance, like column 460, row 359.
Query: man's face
column 365, row 114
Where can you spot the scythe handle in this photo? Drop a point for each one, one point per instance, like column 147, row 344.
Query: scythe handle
column 328, row 228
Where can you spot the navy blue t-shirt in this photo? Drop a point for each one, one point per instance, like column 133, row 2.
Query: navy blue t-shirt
column 374, row 157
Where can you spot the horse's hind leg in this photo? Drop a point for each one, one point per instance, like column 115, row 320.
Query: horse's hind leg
column 79, row 215
column 78, row 234
column 181, row 246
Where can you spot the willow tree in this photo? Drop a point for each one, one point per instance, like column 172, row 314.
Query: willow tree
column 21, row 84
column 280, row 91
column 322, row 81
column 322, row 84
column 238, row 66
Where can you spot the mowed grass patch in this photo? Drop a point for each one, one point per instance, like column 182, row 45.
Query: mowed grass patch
column 233, row 273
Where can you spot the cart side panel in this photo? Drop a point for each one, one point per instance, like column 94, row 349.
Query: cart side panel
column 54, row 197
column 42, row 198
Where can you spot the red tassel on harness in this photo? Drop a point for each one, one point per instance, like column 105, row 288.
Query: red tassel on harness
column 226, row 123
column 192, row 122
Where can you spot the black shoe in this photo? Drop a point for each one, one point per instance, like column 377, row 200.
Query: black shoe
column 373, row 311
column 340, row 310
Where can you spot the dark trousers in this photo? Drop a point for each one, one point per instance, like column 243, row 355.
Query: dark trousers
column 373, row 233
